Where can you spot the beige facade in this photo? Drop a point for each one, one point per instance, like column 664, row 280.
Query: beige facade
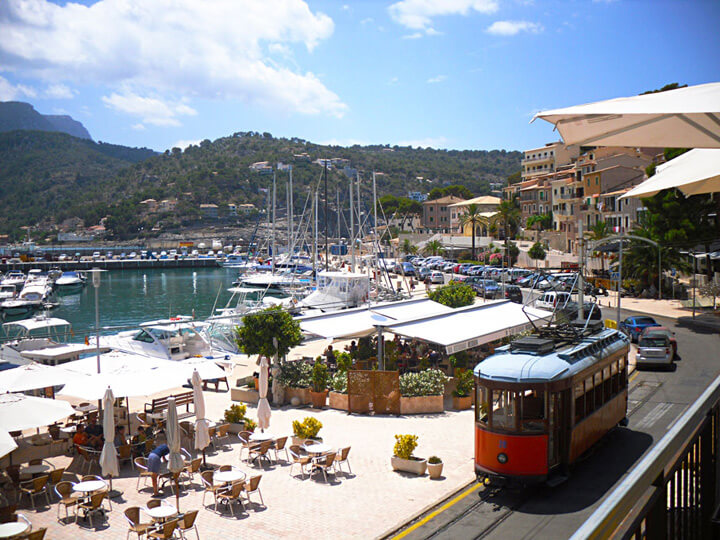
column 436, row 214
column 487, row 206
column 546, row 159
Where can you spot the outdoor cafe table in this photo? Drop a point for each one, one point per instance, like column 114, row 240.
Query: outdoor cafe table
column 34, row 469
column 162, row 512
column 226, row 477
column 85, row 408
column 317, row 449
column 260, row 437
column 89, row 486
column 14, row 528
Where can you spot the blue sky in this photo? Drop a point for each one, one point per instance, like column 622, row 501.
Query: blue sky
column 465, row 74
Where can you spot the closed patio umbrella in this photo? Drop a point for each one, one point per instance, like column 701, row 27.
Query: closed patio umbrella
column 263, row 411
column 7, row 443
column 108, row 456
column 175, row 459
column 682, row 118
column 19, row 412
column 202, row 434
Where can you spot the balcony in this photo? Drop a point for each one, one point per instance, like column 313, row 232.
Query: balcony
column 536, row 159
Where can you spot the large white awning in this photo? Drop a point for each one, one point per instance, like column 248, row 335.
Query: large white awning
column 468, row 327
column 360, row 322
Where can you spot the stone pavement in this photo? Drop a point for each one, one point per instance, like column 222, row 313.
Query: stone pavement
column 368, row 503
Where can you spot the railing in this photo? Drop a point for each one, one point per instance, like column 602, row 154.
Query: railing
column 672, row 492
column 533, row 159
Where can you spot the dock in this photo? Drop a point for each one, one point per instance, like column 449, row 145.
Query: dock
column 114, row 264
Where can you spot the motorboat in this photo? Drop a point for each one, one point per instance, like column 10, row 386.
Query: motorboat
column 70, row 280
column 33, row 295
column 7, row 292
column 337, row 290
column 15, row 278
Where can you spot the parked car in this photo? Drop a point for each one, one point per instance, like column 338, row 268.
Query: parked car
column 570, row 311
column 423, row 272
column 407, row 269
column 487, row 288
column 551, row 299
column 514, row 294
column 633, row 326
column 663, row 330
column 437, row 277
column 654, row 349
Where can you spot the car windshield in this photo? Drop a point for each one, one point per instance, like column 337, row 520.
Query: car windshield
column 644, row 320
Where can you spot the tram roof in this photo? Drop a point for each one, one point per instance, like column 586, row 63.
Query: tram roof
column 521, row 366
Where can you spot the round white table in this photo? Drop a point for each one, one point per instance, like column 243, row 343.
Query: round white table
column 259, row 437
column 85, row 408
column 317, row 449
column 89, row 486
column 8, row 530
column 225, row 477
column 161, row 512
column 35, row 469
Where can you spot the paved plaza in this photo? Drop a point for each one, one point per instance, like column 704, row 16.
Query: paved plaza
column 366, row 504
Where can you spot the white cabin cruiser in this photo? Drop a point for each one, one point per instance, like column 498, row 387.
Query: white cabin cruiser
column 15, row 278
column 7, row 292
column 337, row 290
column 70, row 280
column 32, row 297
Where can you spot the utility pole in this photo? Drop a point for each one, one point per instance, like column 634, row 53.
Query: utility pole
column 326, row 219
column 619, row 283
column 581, row 281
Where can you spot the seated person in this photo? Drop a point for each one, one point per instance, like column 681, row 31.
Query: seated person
column 80, row 438
column 120, row 439
column 95, row 435
column 153, row 461
column 138, row 442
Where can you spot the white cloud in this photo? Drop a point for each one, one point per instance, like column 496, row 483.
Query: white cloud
column 169, row 48
column 183, row 144
column 11, row 92
column 393, row 81
column 138, row 127
column 419, row 14
column 414, row 35
column 58, row 91
column 367, row 20
column 151, row 110
column 511, row 28
column 436, row 79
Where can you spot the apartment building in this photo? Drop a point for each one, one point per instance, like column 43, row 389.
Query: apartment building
column 546, row 159
column 436, row 214
column 487, row 206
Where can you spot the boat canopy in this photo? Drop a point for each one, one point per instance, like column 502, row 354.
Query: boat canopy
column 37, row 323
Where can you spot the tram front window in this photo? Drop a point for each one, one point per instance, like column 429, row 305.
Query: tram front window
column 532, row 411
column 481, row 404
column 503, row 410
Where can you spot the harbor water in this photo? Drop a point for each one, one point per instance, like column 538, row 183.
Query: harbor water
column 129, row 297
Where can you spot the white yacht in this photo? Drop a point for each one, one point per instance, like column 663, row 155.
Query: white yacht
column 337, row 290
column 15, row 278
column 32, row 297
column 7, row 292
column 70, row 280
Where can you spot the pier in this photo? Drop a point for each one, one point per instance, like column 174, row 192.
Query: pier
column 113, row 264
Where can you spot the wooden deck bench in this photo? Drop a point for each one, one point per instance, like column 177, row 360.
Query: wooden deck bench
column 159, row 405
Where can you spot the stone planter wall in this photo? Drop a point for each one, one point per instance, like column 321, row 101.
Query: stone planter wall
column 303, row 394
column 338, row 401
column 244, row 394
column 421, row 404
column 237, row 428
column 462, row 403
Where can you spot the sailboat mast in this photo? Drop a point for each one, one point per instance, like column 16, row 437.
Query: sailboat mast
column 292, row 210
column 360, row 224
column 374, row 209
column 327, row 260
column 337, row 211
column 315, row 233
column 274, row 205
column 352, row 229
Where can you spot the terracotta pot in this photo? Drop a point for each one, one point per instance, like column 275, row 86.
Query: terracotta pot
column 236, row 427
column 462, row 403
column 421, row 404
column 435, row 470
column 415, row 466
column 318, row 399
column 338, row 401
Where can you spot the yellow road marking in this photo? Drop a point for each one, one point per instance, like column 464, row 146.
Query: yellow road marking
column 439, row 511
column 633, row 376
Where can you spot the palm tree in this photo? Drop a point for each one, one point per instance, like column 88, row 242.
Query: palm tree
column 508, row 213
column 408, row 247
column 433, row 247
column 597, row 232
column 473, row 218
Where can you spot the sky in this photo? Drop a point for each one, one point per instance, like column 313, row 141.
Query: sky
column 456, row 74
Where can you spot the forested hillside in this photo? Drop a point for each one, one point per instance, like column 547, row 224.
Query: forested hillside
column 49, row 177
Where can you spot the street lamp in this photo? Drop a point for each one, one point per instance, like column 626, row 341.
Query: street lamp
column 96, row 285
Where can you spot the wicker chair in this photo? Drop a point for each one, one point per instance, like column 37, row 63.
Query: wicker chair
column 325, row 463
column 253, row 486
column 37, row 534
column 166, row 532
column 188, row 522
column 56, row 476
column 124, row 454
column 192, row 468
column 94, row 505
column 342, row 457
column 33, row 488
column 278, row 445
column 298, row 459
column 142, row 468
column 260, row 450
column 230, row 495
column 221, row 434
column 64, row 490
column 245, row 443
column 209, row 487
column 132, row 515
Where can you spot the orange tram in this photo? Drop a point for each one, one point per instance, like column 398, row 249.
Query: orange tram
column 545, row 399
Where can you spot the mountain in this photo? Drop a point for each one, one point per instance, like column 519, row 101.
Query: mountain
column 47, row 178
column 18, row 115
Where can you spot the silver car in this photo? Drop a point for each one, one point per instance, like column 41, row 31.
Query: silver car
column 654, row 349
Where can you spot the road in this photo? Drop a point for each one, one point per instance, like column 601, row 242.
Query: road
column 656, row 400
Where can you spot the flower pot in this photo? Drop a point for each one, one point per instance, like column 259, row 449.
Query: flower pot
column 435, row 470
column 236, row 427
column 413, row 465
column 301, row 440
column 257, row 383
column 462, row 403
column 338, row 401
column 302, row 395
column 421, row 404
column 318, row 399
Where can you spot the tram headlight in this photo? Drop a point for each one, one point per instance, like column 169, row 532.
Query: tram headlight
column 502, row 458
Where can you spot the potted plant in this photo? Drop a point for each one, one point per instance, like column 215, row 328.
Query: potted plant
column 296, row 377
column 422, row 392
column 250, row 424
column 462, row 398
column 307, row 429
column 319, row 378
column 338, row 396
column 435, row 467
column 235, row 416
column 403, row 460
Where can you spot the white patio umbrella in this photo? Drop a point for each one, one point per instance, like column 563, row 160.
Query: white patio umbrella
column 32, row 376
column 19, row 412
column 175, row 459
column 7, row 443
column 202, row 434
column 693, row 173
column 683, row 118
column 108, row 457
column 263, row 410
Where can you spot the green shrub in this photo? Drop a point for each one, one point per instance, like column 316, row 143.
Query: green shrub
column 465, row 384
column 308, row 428
column 250, row 424
column 405, row 445
column 320, row 377
column 236, row 413
column 434, row 460
column 430, row 382
column 295, row 374
column 344, row 361
column 339, row 382
column 454, row 294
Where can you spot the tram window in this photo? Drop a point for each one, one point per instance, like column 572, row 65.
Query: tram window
column 532, row 411
column 481, row 404
column 503, row 410
column 598, row 390
column 589, row 396
column 607, row 384
column 579, row 401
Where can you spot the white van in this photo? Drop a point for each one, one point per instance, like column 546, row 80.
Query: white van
column 550, row 300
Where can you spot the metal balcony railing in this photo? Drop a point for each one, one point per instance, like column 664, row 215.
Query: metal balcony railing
column 672, row 492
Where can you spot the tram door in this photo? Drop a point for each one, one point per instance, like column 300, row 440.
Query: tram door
column 558, row 406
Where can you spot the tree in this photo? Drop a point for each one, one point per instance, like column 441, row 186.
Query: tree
column 541, row 222
column 454, row 294
column 537, row 253
column 456, row 189
column 508, row 214
column 259, row 330
column 597, row 232
column 433, row 247
column 472, row 217
column 408, row 247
